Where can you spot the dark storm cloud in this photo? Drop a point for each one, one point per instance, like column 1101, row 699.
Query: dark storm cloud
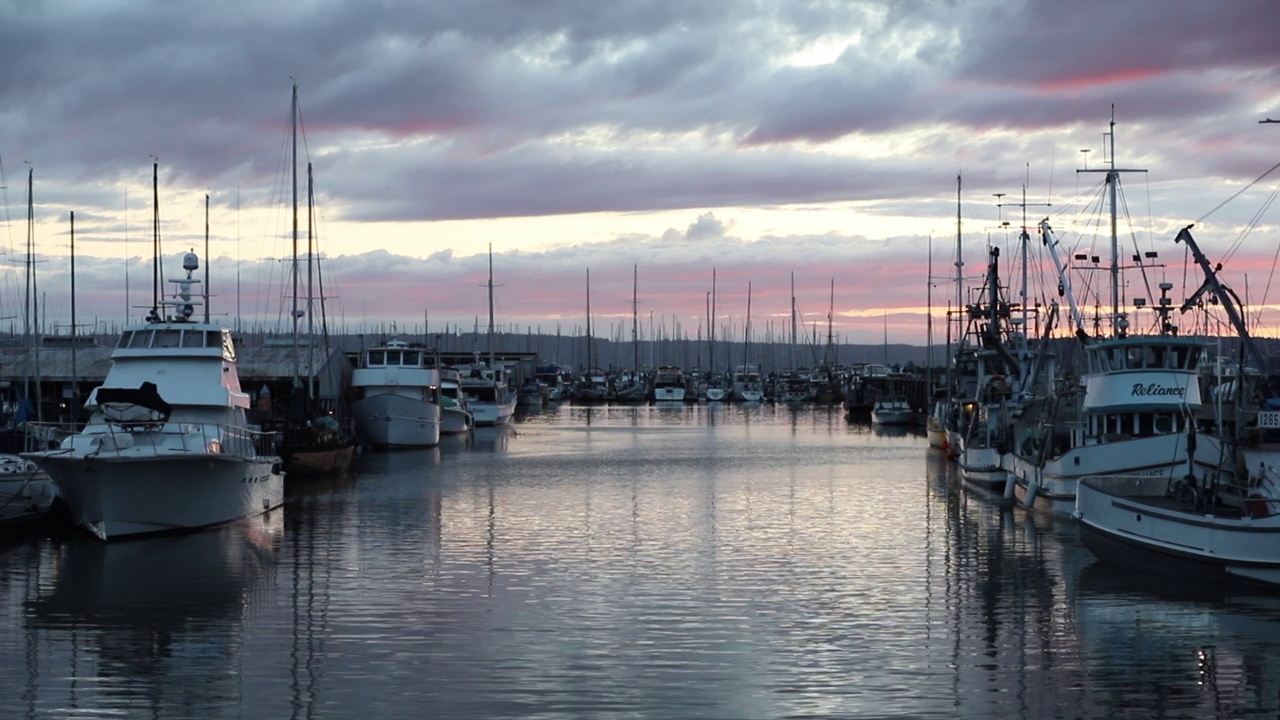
column 461, row 109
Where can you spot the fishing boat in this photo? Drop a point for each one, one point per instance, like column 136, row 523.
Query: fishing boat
column 1211, row 508
column 398, row 397
column 167, row 446
column 1136, row 405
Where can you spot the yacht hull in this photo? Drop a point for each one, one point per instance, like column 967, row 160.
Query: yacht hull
column 115, row 497
column 396, row 421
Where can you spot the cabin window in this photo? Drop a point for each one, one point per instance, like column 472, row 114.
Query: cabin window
column 1136, row 358
column 1156, row 356
column 193, row 338
column 1193, row 357
column 167, row 339
column 125, row 339
column 1163, row 424
column 377, row 357
column 412, row 357
column 140, row 339
column 1146, row 425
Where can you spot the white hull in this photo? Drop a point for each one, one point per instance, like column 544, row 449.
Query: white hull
column 983, row 466
column 488, row 413
column 1053, row 487
column 1129, row 521
column 397, row 421
column 891, row 417
column 668, row 394
column 715, row 394
column 26, row 491
column 117, row 496
column 455, row 421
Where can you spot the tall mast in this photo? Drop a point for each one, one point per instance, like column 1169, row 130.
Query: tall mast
column 206, row 259
column 155, row 241
column 746, row 331
column 635, row 339
column 828, row 356
column 928, row 320
column 1118, row 322
column 712, row 329
column 75, row 385
column 792, row 360
column 959, row 253
column 311, row 328
column 27, row 315
column 293, row 166
column 589, row 363
column 489, row 339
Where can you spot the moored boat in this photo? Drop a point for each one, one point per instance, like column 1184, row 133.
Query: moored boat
column 397, row 397
column 167, row 446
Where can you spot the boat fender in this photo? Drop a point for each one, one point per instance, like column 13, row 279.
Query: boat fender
column 1255, row 506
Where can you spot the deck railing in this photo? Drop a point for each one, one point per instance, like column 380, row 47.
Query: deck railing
column 164, row 437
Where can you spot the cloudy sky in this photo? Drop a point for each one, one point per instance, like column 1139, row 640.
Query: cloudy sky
column 658, row 139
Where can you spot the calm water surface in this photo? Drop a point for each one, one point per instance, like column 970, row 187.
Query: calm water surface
column 649, row 562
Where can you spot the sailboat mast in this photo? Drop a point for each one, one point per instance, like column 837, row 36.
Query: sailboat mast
column 793, row 320
column 635, row 337
column 27, row 317
column 75, row 389
column 746, row 330
column 829, row 356
column 293, row 167
column 959, row 253
column 711, row 326
column 155, row 241
column 928, row 318
column 206, row 258
column 311, row 328
column 489, row 339
column 589, row 362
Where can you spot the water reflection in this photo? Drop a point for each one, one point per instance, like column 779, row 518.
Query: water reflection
column 154, row 623
column 708, row 561
column 1202, row 650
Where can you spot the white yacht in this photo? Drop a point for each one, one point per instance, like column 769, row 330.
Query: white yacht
column 489, row 393
column 398, row 397
column 167, row 446
column 455, row 412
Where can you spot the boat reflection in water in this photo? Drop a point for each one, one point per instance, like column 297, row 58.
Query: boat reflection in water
column 1218, row 649
column 154, row 623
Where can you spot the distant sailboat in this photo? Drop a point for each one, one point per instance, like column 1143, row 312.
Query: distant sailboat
column 311, row 440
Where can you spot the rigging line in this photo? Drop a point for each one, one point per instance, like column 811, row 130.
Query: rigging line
column 1266, row 291
column 1252, row 224
column 1237, row 194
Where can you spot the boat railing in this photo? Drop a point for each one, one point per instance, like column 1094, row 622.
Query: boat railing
column 162, row 437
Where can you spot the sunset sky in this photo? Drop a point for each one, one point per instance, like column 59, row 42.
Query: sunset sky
column 673, row 137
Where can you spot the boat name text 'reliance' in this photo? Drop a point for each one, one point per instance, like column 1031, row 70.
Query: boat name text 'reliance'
column 1140, row 390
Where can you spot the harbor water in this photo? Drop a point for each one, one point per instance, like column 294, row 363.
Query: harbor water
column 628, row 562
